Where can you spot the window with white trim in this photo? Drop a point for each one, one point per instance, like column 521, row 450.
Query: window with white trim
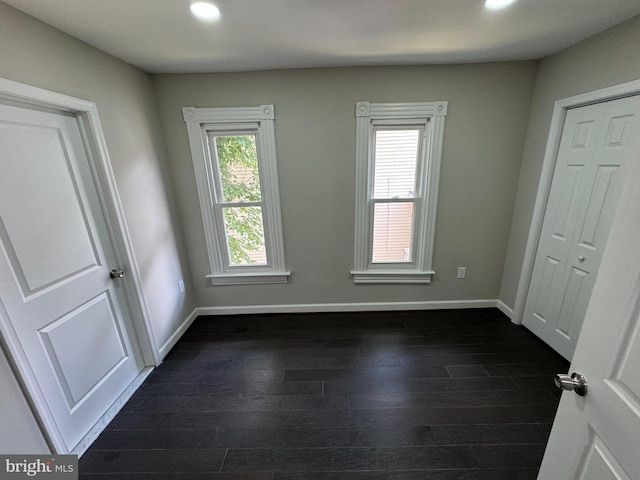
column 398, row 153
column 234, row 158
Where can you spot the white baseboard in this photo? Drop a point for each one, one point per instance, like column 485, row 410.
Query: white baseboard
column 109, row 415
column 345, row 307
column 173, row 339
column 504, row 308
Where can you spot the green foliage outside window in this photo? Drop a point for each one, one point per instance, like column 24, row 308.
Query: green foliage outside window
column 238, row 164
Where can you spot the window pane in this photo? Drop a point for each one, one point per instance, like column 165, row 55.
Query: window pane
column 245, row 235
column 392, row 232
column 396, row 154
column 238, row 165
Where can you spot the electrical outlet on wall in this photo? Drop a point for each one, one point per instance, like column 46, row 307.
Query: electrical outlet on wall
column 181, row 286
column 462, row 272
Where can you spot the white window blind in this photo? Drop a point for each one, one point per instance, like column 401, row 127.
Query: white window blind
column 395, row 161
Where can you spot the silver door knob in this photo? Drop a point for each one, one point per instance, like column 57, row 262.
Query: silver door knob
column 581, row 258
column 575, row 382
column 115, row 273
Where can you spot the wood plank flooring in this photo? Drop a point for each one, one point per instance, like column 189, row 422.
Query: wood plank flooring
column 429, row 395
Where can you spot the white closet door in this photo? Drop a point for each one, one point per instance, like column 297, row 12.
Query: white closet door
column 597, row 142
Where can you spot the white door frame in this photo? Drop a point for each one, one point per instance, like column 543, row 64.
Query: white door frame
column 91, row 130
column 546, row 176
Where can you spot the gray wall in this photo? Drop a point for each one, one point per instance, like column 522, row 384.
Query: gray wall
column 38, row 55
column 315, row 138
column 20, row 432
column 610, row 58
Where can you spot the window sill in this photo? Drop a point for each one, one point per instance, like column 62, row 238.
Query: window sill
column 252, row 278
column 391, row 276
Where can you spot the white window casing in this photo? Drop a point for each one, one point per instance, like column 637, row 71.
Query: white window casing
column 206, row 123
column 427, row 119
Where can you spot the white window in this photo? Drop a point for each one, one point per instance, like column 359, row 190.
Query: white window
column 398, row 151
column 234, row 157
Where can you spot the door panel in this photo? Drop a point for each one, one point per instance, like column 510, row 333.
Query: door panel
column 564, row 215
column 628, row 376
column 543, row 306
column 570, row 312
column 594, row 146
column 95, row 322
column 600, row 464
column 69, row 316
column 601, row 203
column 44, row 193
column 618, row 131
column 583, row 134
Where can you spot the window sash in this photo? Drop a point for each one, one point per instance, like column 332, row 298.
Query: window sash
column 212, row 137
column 411, row 262
column 219, row 204
column 374, row 166
column 416, row 251
column 255, row 254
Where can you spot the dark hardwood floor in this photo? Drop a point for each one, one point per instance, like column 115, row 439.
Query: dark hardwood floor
column 429, row 395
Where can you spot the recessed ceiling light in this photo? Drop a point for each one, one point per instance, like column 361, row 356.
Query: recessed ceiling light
column 497, row 4
column 204, row 10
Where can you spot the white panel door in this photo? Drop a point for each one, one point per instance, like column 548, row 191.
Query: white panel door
column 69, row 316
column 597, row 141
column 597, row 437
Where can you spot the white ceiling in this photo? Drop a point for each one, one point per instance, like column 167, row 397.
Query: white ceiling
column 161, row 36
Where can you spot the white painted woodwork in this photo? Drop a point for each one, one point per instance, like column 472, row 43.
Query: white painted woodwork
column 258, row 121
column 596, row 437
column 428, row 118
column 596, row 142
column 71, row 320
column 345, row 307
